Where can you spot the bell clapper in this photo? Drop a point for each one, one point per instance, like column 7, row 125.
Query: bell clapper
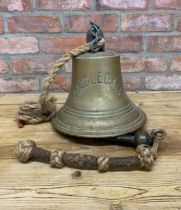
column 140, row 137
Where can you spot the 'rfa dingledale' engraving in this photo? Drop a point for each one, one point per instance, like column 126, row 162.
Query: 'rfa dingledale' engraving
column 101, row 78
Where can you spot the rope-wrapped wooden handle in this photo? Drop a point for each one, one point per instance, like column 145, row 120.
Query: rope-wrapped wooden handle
column 144, row 158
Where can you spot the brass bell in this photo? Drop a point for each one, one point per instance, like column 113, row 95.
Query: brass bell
column 97, row 105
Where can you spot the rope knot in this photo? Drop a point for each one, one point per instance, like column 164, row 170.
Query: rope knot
column 47, row 105
column 145, row 156
column 24, row 149
column 103, row 164
column 56, row 158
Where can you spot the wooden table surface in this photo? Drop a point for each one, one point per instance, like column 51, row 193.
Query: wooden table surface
column 37, row 186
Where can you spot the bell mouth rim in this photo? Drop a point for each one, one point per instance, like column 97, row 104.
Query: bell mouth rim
column 97, row 55
column 74, row 132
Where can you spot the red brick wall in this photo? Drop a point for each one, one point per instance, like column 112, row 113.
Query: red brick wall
column 146, row 33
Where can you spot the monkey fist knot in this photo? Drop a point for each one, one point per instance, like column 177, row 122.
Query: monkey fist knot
column 145, row 156
column 23, row 150
column 56, row 158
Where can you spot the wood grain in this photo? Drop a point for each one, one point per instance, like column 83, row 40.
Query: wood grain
column 37, row 186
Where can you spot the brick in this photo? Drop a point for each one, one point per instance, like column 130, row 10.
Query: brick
column 3, row 66
column 166, row 4
column 34, row 24
column 124, row 43
column 150, row 22
column 18, row 45
column 15, row 5
column 165, row 44
column 176, row 63
column 64, row 5
column 179, row 24
column 145, row 64
column 1, row 25
column 81, row 23
column 131, row 82
column 54, row 44
column 122, row 4
column 32, row 65
column 163, row 82
column 18, row 85
column 62, row 82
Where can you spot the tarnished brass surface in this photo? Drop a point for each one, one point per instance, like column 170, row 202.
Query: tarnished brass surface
column 97, row 105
